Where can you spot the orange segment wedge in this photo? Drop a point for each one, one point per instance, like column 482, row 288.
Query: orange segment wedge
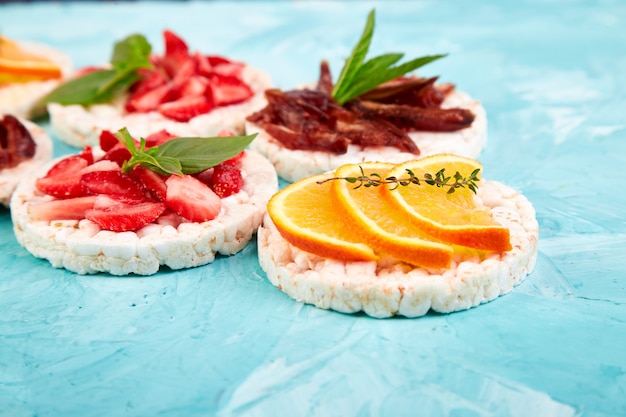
column 18, row 65
column 452, row 217
column 382, row 226
column 305, row 217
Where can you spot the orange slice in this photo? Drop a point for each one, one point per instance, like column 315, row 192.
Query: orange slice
column 304, row 215
column 452, row 217
column 18, row 65
column 380, row 224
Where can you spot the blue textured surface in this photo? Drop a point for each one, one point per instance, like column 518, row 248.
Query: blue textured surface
column 221, row 340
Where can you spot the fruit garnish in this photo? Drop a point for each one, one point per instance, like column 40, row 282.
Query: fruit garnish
column 186, row 155
column 359, row 205
column 454, row 217
column 122, row 217
column 191, row 198
column 16, row 142
column 380, row 226
column 304, row 214
column 225, row 180
column 18, row 65
column 359, row 76
column 103, row 85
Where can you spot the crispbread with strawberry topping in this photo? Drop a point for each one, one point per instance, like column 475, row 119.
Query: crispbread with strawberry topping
column 384, row 290
column 82, row 247
column 186, row 93
column 10, row 177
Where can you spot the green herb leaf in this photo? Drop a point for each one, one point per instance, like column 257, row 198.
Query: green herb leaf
column 180, row 156
column 102, row 86
column 358, row 77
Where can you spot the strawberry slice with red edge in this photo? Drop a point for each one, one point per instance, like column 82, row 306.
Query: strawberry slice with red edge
column 107, row 140
column 191, row 198
column 63, row 179
column 158, row 138
column 152, row 181
column 118, row 153
column 67, row 209
column 126, row 217
column 114, row 183
column 226, row 180
column 186, row 108
column 227, row 90
column 176, row 53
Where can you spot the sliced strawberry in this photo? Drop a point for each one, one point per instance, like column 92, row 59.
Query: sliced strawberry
column 203, row 65
column 118, row 154
column 150, row 79
column 151, row 99
column 63, row 179
column 67, row 209
column 225, row 133
column 176, row 53
column 231, row 69
column 215, row 60
column 107, row 140
column 152, row 181
column 185, row 108
column 227, row 90
column 235, row 161
column 113, row 183
column 157, row 138
column 126, row 217
column 195, row 85
column 191, row 198
column 148, row 93
column 226, row 180
column 87, row 154
column 101, row 165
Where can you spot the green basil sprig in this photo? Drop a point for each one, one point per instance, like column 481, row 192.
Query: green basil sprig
column 102, row 86
column 187, row 155
column 359, row 76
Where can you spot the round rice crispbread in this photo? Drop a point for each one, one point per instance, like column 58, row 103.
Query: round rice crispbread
column 293, row 165
column 10, row 177
column 18, row 98
column 396, row 289
column 82, row 247
column 80, row 126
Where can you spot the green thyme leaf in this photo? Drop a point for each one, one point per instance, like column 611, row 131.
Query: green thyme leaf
column 102, row 86
column 182, row 155
column 359, row 76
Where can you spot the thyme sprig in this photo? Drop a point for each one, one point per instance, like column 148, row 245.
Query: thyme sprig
column 439, row 180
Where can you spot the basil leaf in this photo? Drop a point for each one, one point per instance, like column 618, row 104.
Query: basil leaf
column 197, row 154
column 104, row 85
column 133, row 52
column 182, row 155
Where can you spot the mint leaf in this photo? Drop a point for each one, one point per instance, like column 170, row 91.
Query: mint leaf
column 358, row 77
column 102, row 86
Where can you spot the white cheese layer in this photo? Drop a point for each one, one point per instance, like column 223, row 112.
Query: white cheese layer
column 18, row 98
column 293, row 165
column 82, row 247
column 397, row 289
column 80, row 126
column 10, row 177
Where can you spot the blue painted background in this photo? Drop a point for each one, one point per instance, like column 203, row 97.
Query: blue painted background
column 221, row 340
